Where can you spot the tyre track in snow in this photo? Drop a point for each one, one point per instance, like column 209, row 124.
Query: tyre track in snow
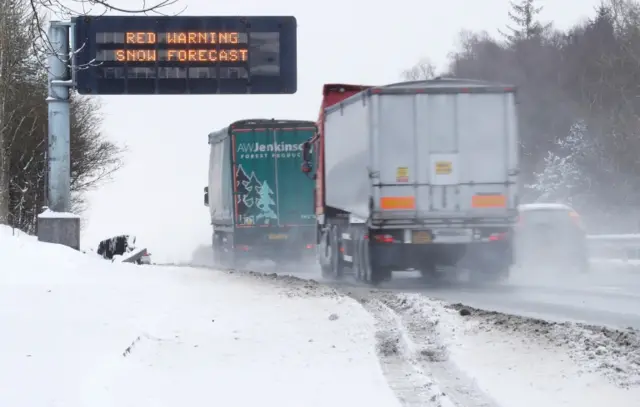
column 410, row 382
column 415, row 361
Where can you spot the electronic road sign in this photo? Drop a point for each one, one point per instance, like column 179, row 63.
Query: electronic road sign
column 174, row 55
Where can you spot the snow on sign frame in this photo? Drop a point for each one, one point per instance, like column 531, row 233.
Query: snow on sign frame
column 176, row 55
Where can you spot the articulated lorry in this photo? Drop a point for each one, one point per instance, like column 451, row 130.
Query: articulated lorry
column 416, row 175
column 261, row 205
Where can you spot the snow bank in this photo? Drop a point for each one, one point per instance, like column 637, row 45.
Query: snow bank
column 527, row 362
column 25, row 259
column 85, row 332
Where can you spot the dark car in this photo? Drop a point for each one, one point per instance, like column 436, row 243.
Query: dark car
column 550, row 236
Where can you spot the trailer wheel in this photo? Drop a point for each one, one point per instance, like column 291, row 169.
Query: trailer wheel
column 323, row 251
column 429, row 272
column 372, row 273
column 489, row 272
column 358, row 270
column 337, row 267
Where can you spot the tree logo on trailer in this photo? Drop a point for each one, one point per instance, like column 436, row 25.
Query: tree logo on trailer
column 254, row 199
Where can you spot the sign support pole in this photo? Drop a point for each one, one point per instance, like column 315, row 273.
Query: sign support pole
column 57, row 224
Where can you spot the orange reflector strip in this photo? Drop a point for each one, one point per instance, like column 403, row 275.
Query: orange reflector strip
column 397, row 202
column 489, row 201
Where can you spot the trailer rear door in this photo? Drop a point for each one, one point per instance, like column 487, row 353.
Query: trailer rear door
column 270, row 189
column 446, row 152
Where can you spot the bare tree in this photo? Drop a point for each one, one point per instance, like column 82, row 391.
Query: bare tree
column 67, row 9
column 422, row 70
column 23, row 125
column 14, row 43
column 93, row 158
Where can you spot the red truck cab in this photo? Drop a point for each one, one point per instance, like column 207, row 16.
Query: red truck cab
column 332, row 93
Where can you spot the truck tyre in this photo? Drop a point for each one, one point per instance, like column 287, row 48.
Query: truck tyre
column 337, row 266
column 490, row 273
column 372, row 273
column 358, row 270
column 323, row 251
column 429, row 273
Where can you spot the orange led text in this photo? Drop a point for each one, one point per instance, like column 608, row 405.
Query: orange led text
column 211, row 37
column 141, row 38
column 182, row 55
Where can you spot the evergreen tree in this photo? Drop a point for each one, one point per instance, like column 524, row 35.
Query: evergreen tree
column 524, row 15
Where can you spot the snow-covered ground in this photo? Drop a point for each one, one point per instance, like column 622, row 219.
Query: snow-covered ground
column 524, row 362
column 81, row 331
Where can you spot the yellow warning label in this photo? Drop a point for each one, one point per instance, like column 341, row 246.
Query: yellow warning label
column 443, row 167
column 402, row 174
column 421, row 236
column 278, row 236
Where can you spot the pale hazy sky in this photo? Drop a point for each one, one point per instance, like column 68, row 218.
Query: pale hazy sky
column 158, row 196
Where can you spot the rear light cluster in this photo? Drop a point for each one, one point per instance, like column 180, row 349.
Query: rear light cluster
column 383, row 238
column 494, row 237
column 573, row 215
column 576, row 218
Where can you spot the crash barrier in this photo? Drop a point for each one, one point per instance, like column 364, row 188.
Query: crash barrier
column 623, row 247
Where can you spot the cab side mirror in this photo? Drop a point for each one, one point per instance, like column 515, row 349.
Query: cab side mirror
column 307, row 167
column 306, row 150
column 206, row 196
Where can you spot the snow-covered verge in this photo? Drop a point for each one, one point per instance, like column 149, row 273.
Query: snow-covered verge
column 451, row 354
column 522, row 361
column 79, row 331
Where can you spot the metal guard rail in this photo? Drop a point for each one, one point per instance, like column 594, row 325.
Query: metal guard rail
column 619, row 246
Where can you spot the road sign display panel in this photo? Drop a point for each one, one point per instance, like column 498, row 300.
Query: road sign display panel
column 143, row 55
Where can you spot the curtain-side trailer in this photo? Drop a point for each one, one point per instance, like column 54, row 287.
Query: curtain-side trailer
column 261, row 206
column 417, row 175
